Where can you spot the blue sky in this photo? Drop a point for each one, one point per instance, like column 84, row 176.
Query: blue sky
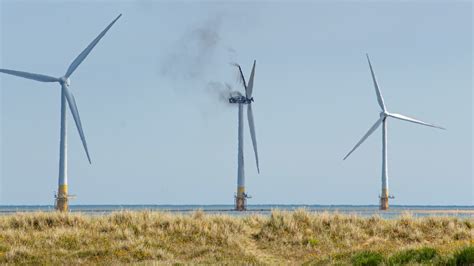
column 149, row 96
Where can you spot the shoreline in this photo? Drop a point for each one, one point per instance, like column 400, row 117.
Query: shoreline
column 462, row 212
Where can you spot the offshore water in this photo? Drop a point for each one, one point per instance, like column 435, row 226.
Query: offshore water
column 362, row 210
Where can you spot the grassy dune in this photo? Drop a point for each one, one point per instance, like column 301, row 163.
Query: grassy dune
column 298, row 237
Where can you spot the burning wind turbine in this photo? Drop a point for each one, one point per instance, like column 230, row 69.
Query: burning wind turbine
column 241, row 196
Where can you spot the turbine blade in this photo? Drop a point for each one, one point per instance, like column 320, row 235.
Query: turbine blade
column 250, row 85
column 252, row 133
column 377, row 90
column 371, row 130
column 409, row 119
column 88, row 49
column 26, row 75
column 75, row 114
column 242, row 77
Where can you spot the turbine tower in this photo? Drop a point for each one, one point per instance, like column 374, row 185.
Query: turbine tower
column 62, row 196
column 241, row 196
column 384, row 114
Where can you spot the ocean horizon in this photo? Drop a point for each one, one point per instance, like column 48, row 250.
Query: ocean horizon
column 263, row 209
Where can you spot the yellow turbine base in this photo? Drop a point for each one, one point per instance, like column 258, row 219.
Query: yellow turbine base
column 240, row 200
column 62, row 201
column 240, row 191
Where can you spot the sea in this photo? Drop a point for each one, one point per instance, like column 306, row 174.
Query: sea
column 394, row 212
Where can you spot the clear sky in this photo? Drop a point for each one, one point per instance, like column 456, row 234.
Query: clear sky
column 150, row 99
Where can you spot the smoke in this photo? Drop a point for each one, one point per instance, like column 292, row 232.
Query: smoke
column 196, row 59
column 222, row 90
column 194, row 52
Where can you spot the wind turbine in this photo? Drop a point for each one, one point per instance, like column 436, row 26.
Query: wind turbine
column 66, row 96
column 241, row 196
column 384, row 114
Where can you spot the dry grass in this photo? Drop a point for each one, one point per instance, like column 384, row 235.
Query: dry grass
column 296, row 237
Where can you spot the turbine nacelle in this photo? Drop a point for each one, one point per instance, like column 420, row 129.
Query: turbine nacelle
column 240, row 99
column 383, row 114
column 65, row 81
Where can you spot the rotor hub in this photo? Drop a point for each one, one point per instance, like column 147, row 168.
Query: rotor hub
column 65, row 80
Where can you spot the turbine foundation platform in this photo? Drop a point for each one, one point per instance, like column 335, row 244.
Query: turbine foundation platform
column 241, row 199
column 384, row 200
column 62, row 199
column 240, row 203
column 384, row 203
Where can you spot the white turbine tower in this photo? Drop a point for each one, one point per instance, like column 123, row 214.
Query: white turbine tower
column 241, row 196
column 66, row 96
column 384, row 114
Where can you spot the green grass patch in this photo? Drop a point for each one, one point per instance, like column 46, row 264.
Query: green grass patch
column 367, row 258
column 423, row 255
column 464, row 257
column 312, row 242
